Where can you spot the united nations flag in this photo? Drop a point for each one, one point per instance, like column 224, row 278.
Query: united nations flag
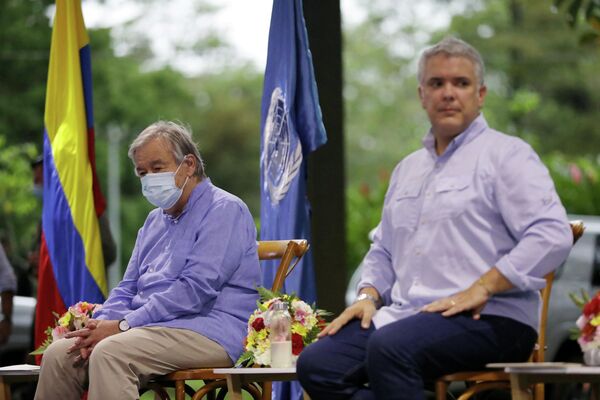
column 291, row 127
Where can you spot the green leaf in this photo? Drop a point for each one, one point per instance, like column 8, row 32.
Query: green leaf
column 580, row 300
column 265, row 294
column 40, row 350
column 246, row 359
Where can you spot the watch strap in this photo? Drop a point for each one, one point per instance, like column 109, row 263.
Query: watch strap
column 366, row 296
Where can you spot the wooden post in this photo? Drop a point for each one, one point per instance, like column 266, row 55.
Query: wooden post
column 326, row 178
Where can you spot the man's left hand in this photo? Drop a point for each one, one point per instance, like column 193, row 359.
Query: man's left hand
column 472, row 299
column 87, row 338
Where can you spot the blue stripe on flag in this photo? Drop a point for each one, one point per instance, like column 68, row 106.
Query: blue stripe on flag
column 65, row 247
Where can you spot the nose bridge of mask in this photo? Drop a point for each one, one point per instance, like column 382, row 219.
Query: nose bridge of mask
column 160, row 178
column 157, row 179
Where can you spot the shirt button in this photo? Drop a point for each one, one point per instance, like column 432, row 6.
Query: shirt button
column 141, row 292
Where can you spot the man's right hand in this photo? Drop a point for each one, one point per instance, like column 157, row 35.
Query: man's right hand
column 363, row 310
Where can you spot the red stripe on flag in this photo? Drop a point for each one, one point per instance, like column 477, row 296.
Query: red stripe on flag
column 48, row 299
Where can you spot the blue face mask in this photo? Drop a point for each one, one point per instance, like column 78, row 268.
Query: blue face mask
column 161, row 190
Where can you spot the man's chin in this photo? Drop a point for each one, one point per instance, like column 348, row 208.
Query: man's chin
column 449, row 127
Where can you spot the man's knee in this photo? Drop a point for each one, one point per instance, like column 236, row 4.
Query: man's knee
column 105, row 351
column 384, row 348
column 307, row 361
column 56, row 353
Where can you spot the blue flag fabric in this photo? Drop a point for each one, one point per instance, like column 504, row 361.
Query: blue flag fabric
column 292, row 127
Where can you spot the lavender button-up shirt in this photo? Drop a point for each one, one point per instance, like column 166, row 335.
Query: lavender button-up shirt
column 486, row 201
column 198, row 271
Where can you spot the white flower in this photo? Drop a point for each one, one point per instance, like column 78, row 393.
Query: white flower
column 263, row 358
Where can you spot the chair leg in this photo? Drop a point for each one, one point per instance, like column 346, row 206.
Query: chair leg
column 267, row 388
column 538, row 391
column 483, row 387
column 441, row 388
column 179, row 390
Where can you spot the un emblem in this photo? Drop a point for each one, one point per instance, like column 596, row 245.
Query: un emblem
column 281, row 158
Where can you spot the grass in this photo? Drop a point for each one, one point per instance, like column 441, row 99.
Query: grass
column 194, row 384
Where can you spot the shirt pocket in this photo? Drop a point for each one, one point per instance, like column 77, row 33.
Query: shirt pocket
column 452, row 196
column 177, row 256
column 406, row 205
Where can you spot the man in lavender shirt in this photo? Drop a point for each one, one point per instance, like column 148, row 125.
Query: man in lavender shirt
column 471, row 223
column 188, row 290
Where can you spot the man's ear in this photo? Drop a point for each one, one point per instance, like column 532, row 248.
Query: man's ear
column 191, row 161
column 421, row 95
column 481, row 93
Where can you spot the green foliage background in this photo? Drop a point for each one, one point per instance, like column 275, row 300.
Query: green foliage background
column 542, row 77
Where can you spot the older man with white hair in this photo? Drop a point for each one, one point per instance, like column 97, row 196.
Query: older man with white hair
column 188, row 289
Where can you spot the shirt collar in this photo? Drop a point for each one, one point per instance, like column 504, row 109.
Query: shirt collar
column 477, row 127
column 196, row 194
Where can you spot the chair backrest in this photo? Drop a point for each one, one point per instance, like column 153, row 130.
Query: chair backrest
column 577, row 228
column 287, row 251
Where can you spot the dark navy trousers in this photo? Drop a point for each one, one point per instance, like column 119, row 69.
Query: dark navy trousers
column 395, row 361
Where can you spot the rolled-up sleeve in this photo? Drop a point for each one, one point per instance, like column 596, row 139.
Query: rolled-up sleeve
column 377, row 266
column 534, row 216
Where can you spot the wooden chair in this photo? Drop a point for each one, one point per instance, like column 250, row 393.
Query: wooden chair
column 285, row 250
column 481, row 381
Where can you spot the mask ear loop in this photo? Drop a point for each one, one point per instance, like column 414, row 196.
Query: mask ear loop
column 187, row 178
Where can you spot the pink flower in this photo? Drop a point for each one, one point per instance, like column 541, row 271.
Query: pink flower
column 59, row 332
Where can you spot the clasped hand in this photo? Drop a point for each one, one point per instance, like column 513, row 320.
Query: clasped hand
column 87, row 338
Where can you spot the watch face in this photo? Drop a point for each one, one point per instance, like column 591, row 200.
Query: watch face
column 123, row 325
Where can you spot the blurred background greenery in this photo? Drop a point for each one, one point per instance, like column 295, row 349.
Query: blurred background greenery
column 542, row 74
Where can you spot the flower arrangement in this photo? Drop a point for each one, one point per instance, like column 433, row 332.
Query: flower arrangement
column 306, row 324
column 76, row 317
column 587, row 332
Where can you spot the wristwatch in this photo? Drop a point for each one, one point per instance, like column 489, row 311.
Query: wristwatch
column 366, row 296
column 124, row 325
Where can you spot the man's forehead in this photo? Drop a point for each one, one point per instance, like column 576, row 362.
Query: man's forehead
column 155, row 151
column 449, row 63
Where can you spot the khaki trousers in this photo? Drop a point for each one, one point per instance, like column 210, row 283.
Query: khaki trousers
column 120, row 364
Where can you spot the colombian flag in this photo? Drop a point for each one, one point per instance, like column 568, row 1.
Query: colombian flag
column 71, row 266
